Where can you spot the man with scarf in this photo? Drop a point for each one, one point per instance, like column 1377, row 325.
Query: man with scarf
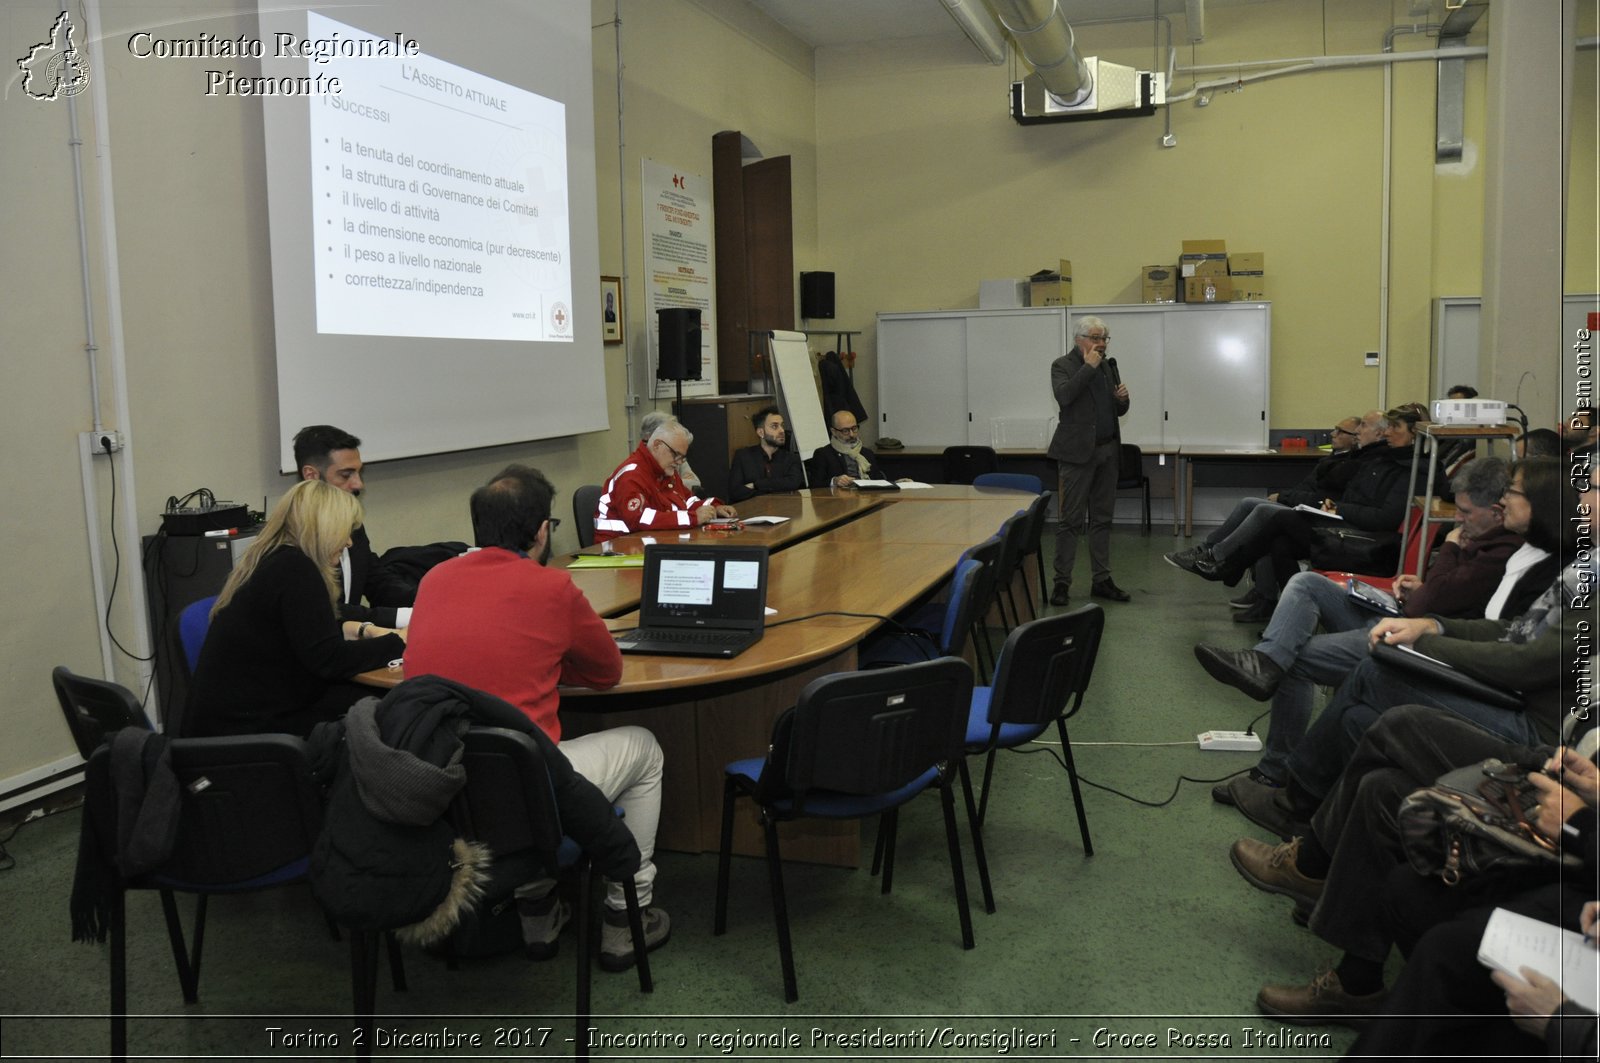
column 844, row 460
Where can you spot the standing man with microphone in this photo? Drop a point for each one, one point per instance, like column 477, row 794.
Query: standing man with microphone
column 1086, row 449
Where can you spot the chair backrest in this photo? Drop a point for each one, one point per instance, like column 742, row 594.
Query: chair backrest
column 193, row 623
column 963, row 463
column 1416, row 547
column 508, row 798
column 958, row 611
column 871, row 732
column 1045, row 666
column 1013, row 537
column 1038, row 512
column 95, row 709
column 1017, row 481
column 1130, row 466
column 585, row 501
column 988, row 553
column 252, row 822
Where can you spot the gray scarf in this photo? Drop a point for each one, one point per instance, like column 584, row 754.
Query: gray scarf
column 853, row 452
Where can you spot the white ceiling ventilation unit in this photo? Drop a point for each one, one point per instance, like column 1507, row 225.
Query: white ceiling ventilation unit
column 1064, row 85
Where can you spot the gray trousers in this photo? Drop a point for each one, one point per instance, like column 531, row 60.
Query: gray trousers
column 1088, row 490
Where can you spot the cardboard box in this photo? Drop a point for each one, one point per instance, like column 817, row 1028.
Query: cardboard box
column 1052, row 289
column 1247, row 263
column 1007, row 294
column 1194, row 289
column 1159, row 284
column 1203, row 258
column 1248, row 289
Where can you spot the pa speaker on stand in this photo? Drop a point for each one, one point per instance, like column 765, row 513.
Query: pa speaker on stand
column 678, row 345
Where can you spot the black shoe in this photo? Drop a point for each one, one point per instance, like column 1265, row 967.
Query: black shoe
column 1190, row 560
column 1110, row 591
column 1245, row 600
column 1059, row 595
column 1266, row 807
column 1222, row 793
column 1249, row 671
column 1259, row 613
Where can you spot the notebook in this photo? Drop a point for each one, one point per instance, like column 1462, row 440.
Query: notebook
column 700, row 601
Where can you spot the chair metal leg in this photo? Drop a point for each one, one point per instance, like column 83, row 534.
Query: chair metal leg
column 397, row 967
column 1044, row 585
column 188, row 969
column 889, row 824
column 730, row 793
column 588, row 916
column 877, row 849
column 641, row 954
column 364, row 987
column 1147, row 507
column 976, row 831
column 988, row 773
column 947, row 800
column 119, row 977
column 780, row 911
column 1077, row 794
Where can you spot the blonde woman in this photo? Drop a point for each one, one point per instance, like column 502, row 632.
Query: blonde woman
column 277, row 657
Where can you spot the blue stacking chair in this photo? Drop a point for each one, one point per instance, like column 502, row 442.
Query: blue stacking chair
column 1017, row 481
column 908, row 645
column 1041, row 677
column 855, row 745
column 193, row 623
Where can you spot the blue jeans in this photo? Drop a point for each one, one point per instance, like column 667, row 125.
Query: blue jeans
column 1308, row 602
column 1371, row 689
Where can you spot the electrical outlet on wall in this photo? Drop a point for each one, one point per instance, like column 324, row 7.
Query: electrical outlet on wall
column 102, row 442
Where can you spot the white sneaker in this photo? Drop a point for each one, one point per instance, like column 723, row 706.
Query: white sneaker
column 616, row 940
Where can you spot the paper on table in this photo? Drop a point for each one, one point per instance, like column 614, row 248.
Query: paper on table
column 1512, row 942
column 913, row 485
column 872, row 483
column 763, row 520
column 1302, row 507
column 607, row 561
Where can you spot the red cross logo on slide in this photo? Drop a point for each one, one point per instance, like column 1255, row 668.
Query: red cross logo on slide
column 561, row 317
column 677, row 181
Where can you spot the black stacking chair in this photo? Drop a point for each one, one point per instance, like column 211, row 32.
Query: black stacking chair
column 963, row 463
column 1131, row 477
column 585, row 500
column 855, row 745
column 95, row 709
column 508, row 804
column 1013, row 544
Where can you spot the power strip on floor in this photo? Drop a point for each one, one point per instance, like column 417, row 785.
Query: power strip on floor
column 1240, row 741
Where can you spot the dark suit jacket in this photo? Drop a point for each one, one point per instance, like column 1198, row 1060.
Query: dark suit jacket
column 1072, row 380
column 368, row 581
column 826, row 463
column 750, row 467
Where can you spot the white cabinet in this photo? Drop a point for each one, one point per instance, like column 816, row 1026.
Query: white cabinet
column 1197, row 375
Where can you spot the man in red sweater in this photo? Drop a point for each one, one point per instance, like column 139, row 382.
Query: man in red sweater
column 498, row 620
column 645, row 493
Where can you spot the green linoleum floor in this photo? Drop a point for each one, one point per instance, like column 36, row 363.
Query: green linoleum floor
column 1153, row 936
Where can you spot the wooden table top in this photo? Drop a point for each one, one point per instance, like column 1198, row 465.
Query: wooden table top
column 877, row 564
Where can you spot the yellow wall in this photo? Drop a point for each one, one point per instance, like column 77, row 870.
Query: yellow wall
column 926, row 187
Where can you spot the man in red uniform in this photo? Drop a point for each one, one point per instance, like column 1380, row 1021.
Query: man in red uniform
column 646, row 493
column 498, row 620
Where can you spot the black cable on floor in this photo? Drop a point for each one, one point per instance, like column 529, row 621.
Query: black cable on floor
column 1112, row 790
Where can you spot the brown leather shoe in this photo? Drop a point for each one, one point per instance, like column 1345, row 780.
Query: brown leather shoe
column 1271, row 868
column 1323, row 1001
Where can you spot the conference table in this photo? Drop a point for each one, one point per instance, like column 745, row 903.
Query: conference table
column 872, row 554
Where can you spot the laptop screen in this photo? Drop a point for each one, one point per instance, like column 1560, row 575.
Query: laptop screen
column 704, row 586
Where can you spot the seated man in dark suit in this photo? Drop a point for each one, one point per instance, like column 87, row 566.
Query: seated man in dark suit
column 768, row 466
column 323, row 452
column 844, row 460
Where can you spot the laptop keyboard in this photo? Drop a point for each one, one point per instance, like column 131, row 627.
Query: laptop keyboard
column 689, row 637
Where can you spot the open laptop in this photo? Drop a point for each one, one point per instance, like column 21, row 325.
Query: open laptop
column 700, row 601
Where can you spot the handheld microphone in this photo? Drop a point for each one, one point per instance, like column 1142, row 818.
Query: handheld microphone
column 1116, row 377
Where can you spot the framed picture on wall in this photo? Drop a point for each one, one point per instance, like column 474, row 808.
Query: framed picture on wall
column 611, row 309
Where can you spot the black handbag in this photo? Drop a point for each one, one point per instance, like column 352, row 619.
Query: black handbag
column 1474, row 821
column 1341, row 548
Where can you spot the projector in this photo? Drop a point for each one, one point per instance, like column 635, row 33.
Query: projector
column 1468, row 411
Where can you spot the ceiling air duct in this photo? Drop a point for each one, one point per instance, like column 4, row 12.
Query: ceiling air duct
column 1064, row 85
